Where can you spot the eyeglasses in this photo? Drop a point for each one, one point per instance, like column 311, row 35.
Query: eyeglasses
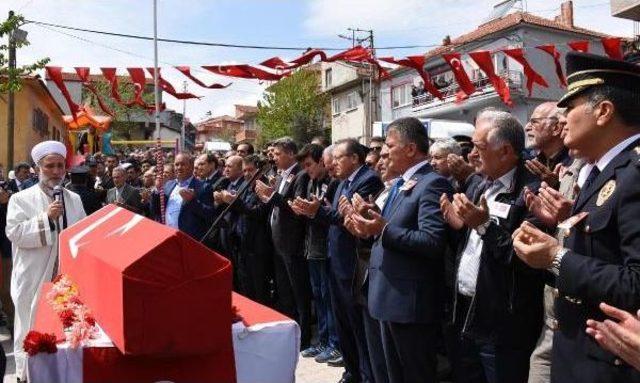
column 538, row 120
column 376, row 148
column 341, row 156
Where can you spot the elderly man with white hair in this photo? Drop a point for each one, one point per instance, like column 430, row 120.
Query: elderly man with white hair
column 34, row 220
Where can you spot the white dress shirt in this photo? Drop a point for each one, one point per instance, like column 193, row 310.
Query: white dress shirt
column 605, row 159
column 470, row 260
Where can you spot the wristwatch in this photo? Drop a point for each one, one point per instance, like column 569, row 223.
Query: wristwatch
column 482, row 229
column 557, row 261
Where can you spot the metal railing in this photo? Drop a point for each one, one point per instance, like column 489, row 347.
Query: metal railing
column 483, row 86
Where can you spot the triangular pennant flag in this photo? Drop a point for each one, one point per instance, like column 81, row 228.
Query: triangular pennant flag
column 55, row 74
column 485, row 62
column 417, row 63
column 185, row 70
column 167, row 87
column 553, row 52
column 466, row 86
column 532, row 76
column 83, row 74
column 110, row 75
column 139, row 82
column 612, row 47
column 579, row 46
column 244, row 71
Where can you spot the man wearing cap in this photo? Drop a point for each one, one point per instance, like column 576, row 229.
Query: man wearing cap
column 80, row 185
column 34, row 220
column 601, row 261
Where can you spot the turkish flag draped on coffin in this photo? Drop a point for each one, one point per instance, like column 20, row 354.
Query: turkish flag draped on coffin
column 153, row 289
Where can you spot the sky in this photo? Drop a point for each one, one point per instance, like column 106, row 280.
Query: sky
column 283, row 23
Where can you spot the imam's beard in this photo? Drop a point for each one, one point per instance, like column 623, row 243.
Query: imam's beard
column 49, row 183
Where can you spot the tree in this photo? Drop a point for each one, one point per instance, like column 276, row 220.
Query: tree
column 11, row 78
column 124, row 122
column 292, row 107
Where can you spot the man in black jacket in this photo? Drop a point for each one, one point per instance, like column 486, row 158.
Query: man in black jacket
column 287, row 232
column 601, row 261
column 311, row 158
column 356, row 177
column 498, row 302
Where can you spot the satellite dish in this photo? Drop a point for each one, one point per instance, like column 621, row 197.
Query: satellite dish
column 500, row 9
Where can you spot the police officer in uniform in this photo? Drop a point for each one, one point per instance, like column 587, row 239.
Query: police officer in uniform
column 601, row 260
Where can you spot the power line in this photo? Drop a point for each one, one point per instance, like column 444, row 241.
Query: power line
column 205, row 43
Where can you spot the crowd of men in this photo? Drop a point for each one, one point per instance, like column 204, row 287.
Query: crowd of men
column 514, row 258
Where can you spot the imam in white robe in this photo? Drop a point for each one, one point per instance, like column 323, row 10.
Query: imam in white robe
column 35, row 253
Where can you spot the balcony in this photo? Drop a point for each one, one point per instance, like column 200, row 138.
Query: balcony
column 483, row 87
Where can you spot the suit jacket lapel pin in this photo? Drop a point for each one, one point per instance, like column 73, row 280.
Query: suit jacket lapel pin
column 289, row 178
column 637, row 149
column 409, row 185
column 606, row 192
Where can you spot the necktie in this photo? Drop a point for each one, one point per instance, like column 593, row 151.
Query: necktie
column 393, row 193
column 345, row 188
column 587, row 183
column 592, row 177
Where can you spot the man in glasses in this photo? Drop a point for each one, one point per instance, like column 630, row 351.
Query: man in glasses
column 376, row 144
column 544, row 137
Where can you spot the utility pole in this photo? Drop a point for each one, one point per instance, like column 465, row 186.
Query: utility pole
column 183, row 145
column 11, row 98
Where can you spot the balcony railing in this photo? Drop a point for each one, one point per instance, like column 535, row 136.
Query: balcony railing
column 483, row 86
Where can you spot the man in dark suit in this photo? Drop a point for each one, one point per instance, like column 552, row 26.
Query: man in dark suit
column 356, row 177
column 124, row 194
column 189, row 202
column 601, row 261
column 230, row 232
column 210, row 172
column 287, row 231
column 406, row 267
column 256, row 254
column 497, row 307
column 22, row 178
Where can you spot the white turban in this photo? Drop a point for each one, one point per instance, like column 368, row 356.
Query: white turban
column 45, row 148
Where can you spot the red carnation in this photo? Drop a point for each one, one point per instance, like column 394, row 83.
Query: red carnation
column 36, row 342
column 91, row 321
column 67, row 317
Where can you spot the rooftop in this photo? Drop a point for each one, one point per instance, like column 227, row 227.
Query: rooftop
column 505, row 23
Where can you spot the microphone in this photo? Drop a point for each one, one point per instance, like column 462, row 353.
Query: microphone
column 57, row 193
column 58, row 196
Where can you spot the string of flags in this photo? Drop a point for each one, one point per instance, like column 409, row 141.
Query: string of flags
column 275, row 68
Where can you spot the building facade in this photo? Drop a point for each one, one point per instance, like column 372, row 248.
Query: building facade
column 250, row 128
column 354, row 99
column 223, row 127
column 37, row 116
column 513, row 30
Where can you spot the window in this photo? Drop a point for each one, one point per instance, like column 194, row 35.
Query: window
column 352, row 100
column 401, row 95
column 328, row 77
column 40, row 122
column 336, row 105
